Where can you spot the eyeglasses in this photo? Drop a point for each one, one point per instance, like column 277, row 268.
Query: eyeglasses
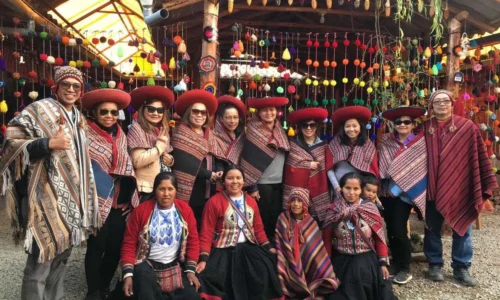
column 400, row 122
column 153, row 109
column 66, row 85
column 197, row 112
column 441, row 102
column 309, row 125
column 104, row 112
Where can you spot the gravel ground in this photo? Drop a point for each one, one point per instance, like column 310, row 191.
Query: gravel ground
column 486, row 268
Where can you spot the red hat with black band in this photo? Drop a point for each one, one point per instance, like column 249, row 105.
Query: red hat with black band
column 237, row 103
column 90, row 99
column 196, row 96
column 306, row 114
column 145, row 93
column 260, row 103
column 340, row 116
column 414, row 112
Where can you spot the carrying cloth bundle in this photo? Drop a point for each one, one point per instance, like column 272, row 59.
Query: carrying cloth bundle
column 109, row 158
column 406, row 166
column 62, row 200
column 260, row 149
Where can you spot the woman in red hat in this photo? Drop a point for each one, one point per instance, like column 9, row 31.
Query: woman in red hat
column 305, row 165
column 263, row 159
column 351, row 149
column 229, row 132
column 403, row 173
column 194, row 149
column 116, row 186
column 148, row 137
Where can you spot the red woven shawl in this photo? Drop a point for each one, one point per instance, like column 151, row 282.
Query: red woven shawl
column 363, row 157
column 226, row 147
column 460, row 173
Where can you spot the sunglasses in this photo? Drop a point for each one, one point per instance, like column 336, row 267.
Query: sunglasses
column 66, row 85
column 153, row 109
column 309, row 125
column 105, row 112
column 441, row 102
column 201, row 112
column 399, row 122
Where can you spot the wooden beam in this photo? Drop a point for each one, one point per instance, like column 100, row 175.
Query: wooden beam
column 177, row 4
column 355, row 13
column 269, row 24
column 210, row 17
column 474, row 20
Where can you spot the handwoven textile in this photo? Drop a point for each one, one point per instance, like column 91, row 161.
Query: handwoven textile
column 363, row 157
column 227, row 148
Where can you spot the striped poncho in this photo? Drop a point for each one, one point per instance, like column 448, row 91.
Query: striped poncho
column 460, row 173
column 363, row 157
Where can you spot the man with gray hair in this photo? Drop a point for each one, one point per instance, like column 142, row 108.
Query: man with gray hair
column 47, row 180
column 460, row 179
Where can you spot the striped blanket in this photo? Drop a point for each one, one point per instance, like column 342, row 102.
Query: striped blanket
column 227, row 148
column 406, row 166
column 298, row 174
column 363, row 157
column 139, row 138
column 110, row 162
column 62, row 200
column 304, row 267
column 190, row 149
column 260, row 148
column 460, row 173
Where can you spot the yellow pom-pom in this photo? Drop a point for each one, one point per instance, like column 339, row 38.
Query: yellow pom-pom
column 326, row 82
column 386, row 83
column 171, row 64
column 308, row 81
column 345, row 80
column 362, row 83
column 3, row 107
column 291, row 132
column 252, row 110
column 333, row 82
column 356, row 81
column 488, row 113
column 375, row 84
column 72, row 63
column 315, row 83
column 495, row 170
column 369, row 90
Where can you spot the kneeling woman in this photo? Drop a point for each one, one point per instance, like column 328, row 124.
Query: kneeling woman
column 241, row 265
column 304, row 267
column 160, row 248
column 358, row 238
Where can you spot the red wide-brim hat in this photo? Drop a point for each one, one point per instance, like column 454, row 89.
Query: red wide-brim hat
column 240, row 106
column 90, row 99
column 307, row 114
column 145, row 93
column 196, row 96
column 340, row 116
column 413, row 112
column 260, row 103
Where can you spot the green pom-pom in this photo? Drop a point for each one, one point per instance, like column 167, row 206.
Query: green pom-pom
column 361, row 102
column 344, row 99
column 307, row 101
column 495, row 170
column 95, row 63
column 375, row 101
column 324, row 102
column 369, row 106
column 44, row 34
column 104, row 84
column 355, row 101
column 182, row 63
column 333, row 101
column 315, row 103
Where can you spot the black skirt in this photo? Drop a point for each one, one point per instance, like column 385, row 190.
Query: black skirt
column 361, row 278
column 244, row 272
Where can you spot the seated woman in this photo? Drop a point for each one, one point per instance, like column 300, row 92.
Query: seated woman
column 160, row 248
column 240, row 265
column 358, row 238
column 304, row 267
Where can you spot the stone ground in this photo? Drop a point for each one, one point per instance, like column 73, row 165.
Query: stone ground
column 486, row 268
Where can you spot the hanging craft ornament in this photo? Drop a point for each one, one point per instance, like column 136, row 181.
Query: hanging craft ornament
column 210, row 34
column 210, row 87
column 207, row 64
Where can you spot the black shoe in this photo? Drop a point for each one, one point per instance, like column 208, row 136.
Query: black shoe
column 463, row 276
column 393, row 271
column 93, row 296
column 435, row 273
column 402, row 277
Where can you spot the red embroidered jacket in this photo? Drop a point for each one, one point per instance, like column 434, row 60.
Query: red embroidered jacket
column 220, row 225
column 135, row 247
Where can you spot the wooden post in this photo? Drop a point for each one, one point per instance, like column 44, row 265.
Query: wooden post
column 210, row 18
column 453, row 66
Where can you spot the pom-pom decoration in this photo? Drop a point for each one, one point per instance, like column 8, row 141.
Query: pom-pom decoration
column 3, row 107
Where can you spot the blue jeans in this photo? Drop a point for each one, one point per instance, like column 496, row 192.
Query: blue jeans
column 461, row 249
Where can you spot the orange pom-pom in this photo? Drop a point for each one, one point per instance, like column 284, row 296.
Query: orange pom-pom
column 177, row 39
column 356, row 62
column 326, row 63
column 362, row 65
column 333, row 64
column 309, row 62
column 369, row 70
column 315, row 64
column 376, row 66
column 345, row 61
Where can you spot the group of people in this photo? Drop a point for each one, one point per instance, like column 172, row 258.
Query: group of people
column 236, row 210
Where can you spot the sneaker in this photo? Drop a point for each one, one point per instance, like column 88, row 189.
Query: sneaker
column 402, row 277
column 463, row 276
column 435, row 273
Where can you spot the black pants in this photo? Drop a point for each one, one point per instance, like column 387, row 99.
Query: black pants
column 396, row 214
column 103, row 252
column 145, row 286
column 270, row 203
